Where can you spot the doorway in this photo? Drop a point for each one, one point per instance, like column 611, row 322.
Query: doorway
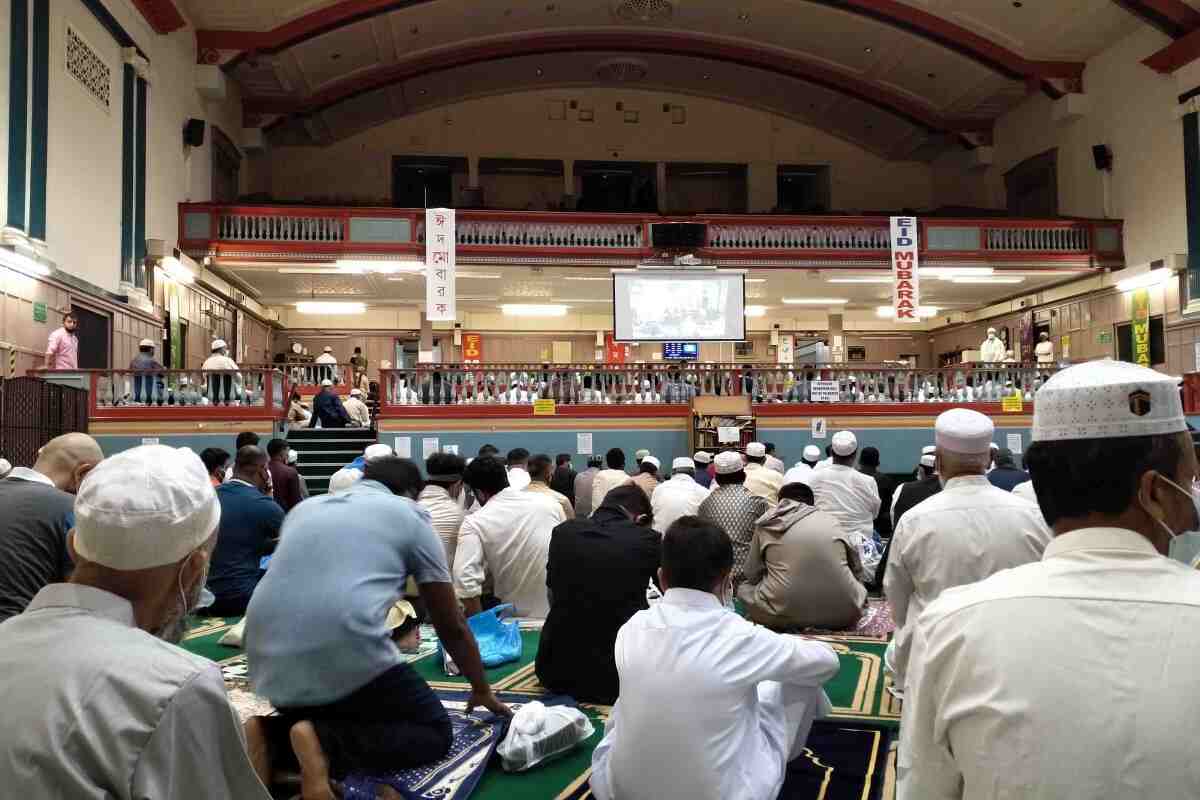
column 93, row 336
column 425, row 181
column 616, row 186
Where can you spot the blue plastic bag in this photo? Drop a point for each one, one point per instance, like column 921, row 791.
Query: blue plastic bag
column 497, row 634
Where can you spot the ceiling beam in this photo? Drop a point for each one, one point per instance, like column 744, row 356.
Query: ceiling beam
column 162, row 15
column 652, row 42
column 1175, row 18
column 210, row 43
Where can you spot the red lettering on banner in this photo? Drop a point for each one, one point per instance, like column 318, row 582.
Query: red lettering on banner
column 903, row 313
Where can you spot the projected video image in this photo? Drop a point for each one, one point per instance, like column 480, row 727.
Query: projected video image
column 670, row 307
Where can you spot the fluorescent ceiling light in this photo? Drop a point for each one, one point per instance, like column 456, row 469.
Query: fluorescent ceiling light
column 11, row 258
column 756, row 311
column 923, row 311
column 954, row 272
column 862, row 279
column 992, row 279
column 814, row 301
column 310, row 271
column 756, row 280
column 479, row 275
column 586, row 278
column 533, row 310
column 327, row 307
column 1145, row 280
column 357, row 266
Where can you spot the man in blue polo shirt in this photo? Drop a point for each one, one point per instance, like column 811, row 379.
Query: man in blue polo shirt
column 250, row 522
column 318, row 644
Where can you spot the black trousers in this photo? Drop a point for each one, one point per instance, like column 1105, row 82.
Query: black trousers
column 394, row 722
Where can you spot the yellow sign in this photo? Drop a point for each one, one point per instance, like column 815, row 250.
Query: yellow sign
column 1140, row 329
column 544, row 408
column 1012, row 403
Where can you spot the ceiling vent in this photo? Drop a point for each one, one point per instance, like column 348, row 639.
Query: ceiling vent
column 643, row 10
column 622, row 70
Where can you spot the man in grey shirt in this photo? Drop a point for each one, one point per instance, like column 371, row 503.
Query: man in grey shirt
column 583, row 487
column 99, row 703
column 37, row 515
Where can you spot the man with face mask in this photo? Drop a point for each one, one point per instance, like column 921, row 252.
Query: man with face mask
column 98, row 702
column 38, row 513
column 968, row 531
column 597, row 574
column 250, row 522
column 992, row 350
column 441, row 497
column 1075, row 676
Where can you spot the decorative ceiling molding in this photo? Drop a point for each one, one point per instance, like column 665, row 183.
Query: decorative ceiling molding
column 643, row 42
column 162, row 15
column 1175, row 18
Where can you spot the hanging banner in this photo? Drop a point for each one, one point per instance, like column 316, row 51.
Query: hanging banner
column 1140, row 329
column 906, row 293
column 472, row 347
column 439, row 265
column 786, row 351
column 615, row 352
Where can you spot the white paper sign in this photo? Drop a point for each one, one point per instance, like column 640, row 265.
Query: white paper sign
column 729, row 435
column 428, row 448
column 819, row 428
column 440, row 302
column 404, row 446
column 906, row 291
column 1014, row 443
column 149, row 441
column 452, row 449
column 786, row 352
column 583, row 444
column 824, row 392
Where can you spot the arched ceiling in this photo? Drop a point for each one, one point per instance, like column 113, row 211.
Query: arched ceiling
column 901, row 78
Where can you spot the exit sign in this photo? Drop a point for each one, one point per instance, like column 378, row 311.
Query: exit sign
column 1104, row 337
column 39, row 312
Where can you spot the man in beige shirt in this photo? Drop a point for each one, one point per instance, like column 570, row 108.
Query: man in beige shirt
column 608, row 479
column 647, row 477
column 1073, row 677
column 761, row 480
column 541, row 470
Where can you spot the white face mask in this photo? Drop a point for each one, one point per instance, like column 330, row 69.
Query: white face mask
column 1194, row 496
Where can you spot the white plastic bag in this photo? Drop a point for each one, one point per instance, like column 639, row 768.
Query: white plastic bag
column 539, row 733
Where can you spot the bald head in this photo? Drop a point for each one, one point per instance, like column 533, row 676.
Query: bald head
column 67, row 458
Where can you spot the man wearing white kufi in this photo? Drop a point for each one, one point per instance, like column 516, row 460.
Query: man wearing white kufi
column 968, row 531
column 350, row 474
column 992, row 350
column 804, row 467
column 1075, row 676
column 851, row 498
column 98, row 701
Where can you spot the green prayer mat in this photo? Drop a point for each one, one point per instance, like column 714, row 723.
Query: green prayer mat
column 858, row 694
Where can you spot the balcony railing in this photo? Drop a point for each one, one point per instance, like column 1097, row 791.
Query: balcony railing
column 662, row 384
column 184, row 394
column 307, row 377
column 210, row 229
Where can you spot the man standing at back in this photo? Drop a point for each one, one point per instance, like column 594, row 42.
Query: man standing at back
column 703, row 461
column 540, row 474
column 62, row 348
column 583, row 487
column 868, row 464
column 1073, row 677
column 851, row 497
column 1005, row 474
column 962, row 535
column 250, row 522
column 441, row 497
column 507, row 539
column 285, row 480
column 38, row 513
column 563, row 481
column 517, row 462
column 608, row 479
column 774, row 462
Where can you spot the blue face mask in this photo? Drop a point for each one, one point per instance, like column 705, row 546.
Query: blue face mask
column 1185, row 542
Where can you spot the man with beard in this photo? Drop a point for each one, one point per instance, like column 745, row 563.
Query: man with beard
column 98, row 701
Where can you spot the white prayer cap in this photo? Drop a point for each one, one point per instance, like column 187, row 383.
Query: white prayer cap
column 729, row 462
column 327, row 382
column 356, row 392
column 929, row 461
column 293, row 456
column 929, row 449
column 702, row 457
column 5, row 467
column 377, row 451
column 991, row 330
column 653, row 461
column 993, row 446
column 327, row 349
column 844, row 443
column 641, row 454
column 145, row 507
column 756, row 449
column 1106, row 399
column 218, row 344
column 812, row 453
column 961, row 430
column 683, row 462
column 145, row 343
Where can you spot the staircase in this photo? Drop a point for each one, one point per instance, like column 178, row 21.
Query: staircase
column 323, row 452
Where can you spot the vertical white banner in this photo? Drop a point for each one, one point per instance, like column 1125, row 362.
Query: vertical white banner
column 440, row 303
column 906, row 288
column 785, row 351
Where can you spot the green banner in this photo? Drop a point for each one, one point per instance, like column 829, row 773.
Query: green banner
column 1140, row 329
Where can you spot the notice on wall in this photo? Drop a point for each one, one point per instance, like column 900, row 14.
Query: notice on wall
column 440, row 305
column 403, row 446
column 729, row 435
column 786, row 353
column 1012, row 404
column 428, row 448
column 149, row 441
column 583, row 444
column 906, row 292
column 39, row 312
column 544, row 408
column 1014, row 443
column 452, row 449
column 819, row 428
column 1064, row 347
column 824, row 392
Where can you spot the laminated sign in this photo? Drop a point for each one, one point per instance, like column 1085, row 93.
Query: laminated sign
column 906, row 291
column 439, row 265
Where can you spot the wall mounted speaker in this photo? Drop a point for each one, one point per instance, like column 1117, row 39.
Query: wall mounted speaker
column 193, row 132
column 1102, row 156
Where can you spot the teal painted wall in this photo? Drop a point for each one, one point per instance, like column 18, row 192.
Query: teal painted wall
column 197, row 441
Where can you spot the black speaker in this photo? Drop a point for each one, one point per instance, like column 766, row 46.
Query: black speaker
column 678, row 235
column 1102, row 156
column 193, row 132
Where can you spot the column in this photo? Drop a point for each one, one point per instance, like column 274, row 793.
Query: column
column 18, row 113
column 472, row 193
column 1191, row 171
column 569, row 200
column 837, row 339
column 762, row 187
column 425, row 345
column 660, row 189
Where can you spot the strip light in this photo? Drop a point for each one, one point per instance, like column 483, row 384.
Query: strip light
column 319, row 307
column 756, row 311
column 1147, row 279
column 993, row 279
column 955, row 272
column 814, row 301
column 533, row 310
column 861, row 279
column 923, row 311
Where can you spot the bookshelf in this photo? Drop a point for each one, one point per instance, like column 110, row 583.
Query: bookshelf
column 712, row 413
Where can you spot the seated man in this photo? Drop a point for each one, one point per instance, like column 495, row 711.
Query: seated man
column 608, row 479
column 97, row 700
column 761, row 480
column 518, row 468
column 802, row 567
column 348, row 475
column 597, row 575
column 712, row 706
column 508, row 539
column 540, row 474
column 679, row 497
column 647, row 477
column 318, row 641
column 328, row 409
column 249, row 529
